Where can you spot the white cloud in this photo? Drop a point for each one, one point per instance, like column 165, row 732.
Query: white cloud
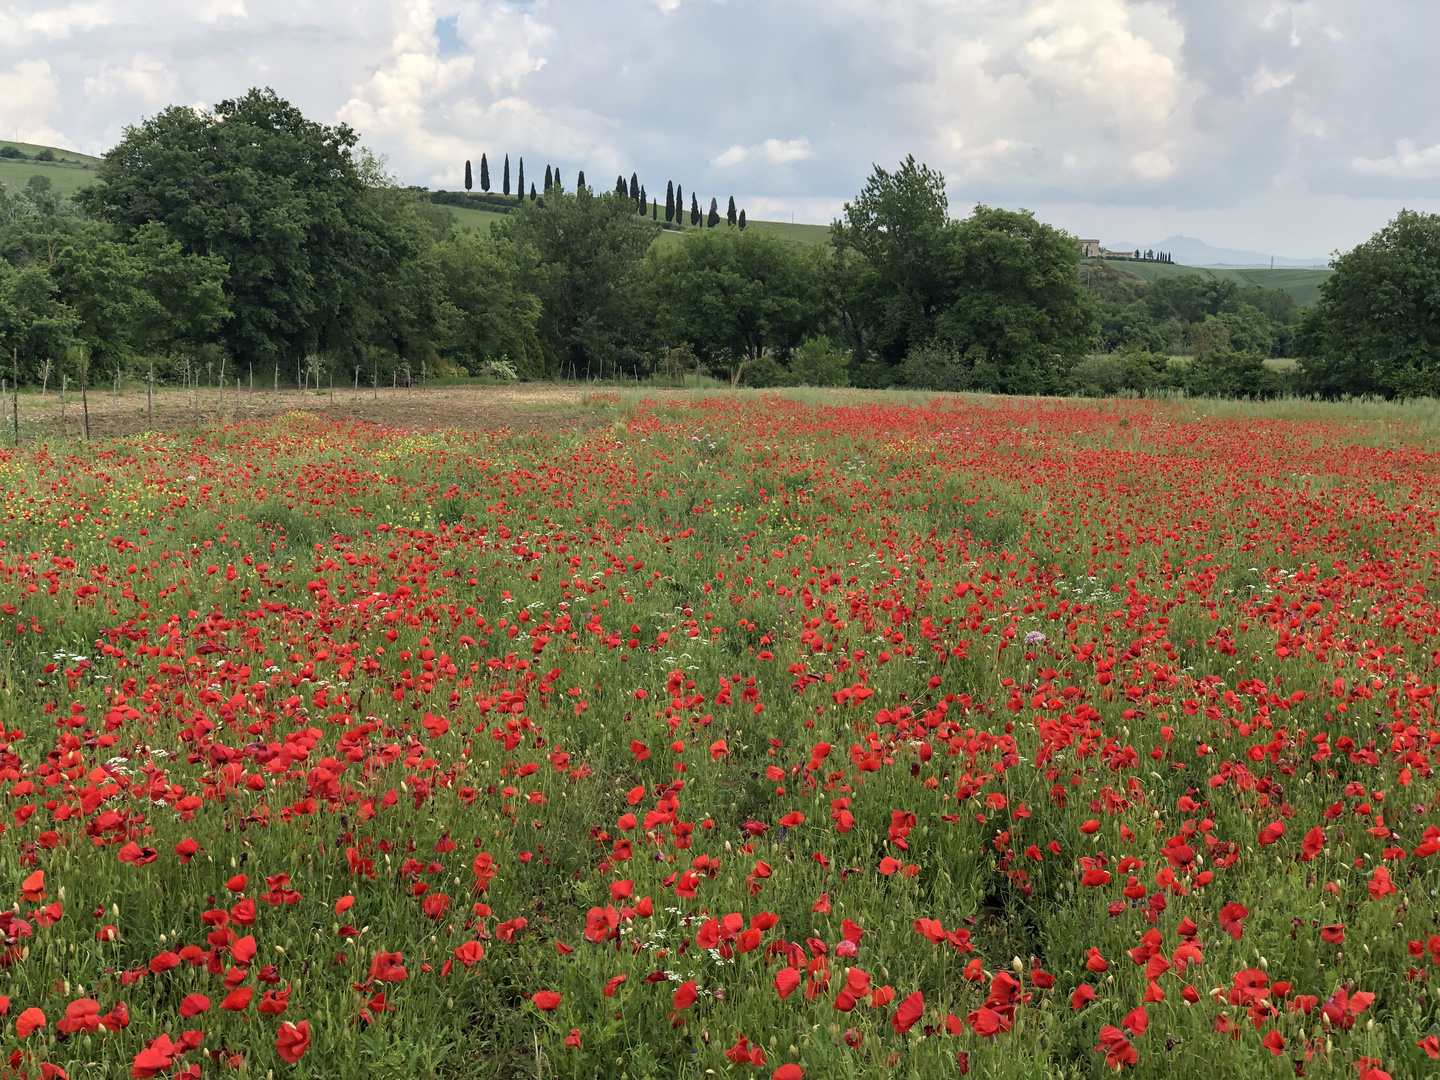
column 53, row 21
column 144, row 77
column 774, row 151
column 214, row 10
column 28, row 94
column 1265, row 80
column 435, row 113
column 1158, row 107
column 1152, row 164
column 1408, row 162
column 1047, row 89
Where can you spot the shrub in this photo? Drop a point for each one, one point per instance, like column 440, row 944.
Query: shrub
column 767, row 371
column 936, row 365
column 817, row 362
column 1233, row 375
column 1106, row 375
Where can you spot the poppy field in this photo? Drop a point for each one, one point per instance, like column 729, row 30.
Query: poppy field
column 734, row 736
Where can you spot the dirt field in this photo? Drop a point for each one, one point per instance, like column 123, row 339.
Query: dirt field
column 526, row 407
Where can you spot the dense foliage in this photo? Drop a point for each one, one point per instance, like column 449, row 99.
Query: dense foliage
column 251, row 240
column 251, row 237
column 1376, row 328
column 736, row 736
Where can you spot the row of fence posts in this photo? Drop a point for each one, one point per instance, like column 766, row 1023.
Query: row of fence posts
column 307, row 378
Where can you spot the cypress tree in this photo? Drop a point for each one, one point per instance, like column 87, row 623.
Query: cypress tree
column 654, row 209
column 532, row 192
column 620, row 188
column 506, row 187
column 679, row 206
column 484, row 174
column 742, row 220
column 694, row 209
column 634, row 187
column 580, row 182
column 520, row 183
column 730, row 213
column 669, row 201
column 558, row 184
column 467, row 174
column 548, row 178
column 640, row 206
column 714, row 217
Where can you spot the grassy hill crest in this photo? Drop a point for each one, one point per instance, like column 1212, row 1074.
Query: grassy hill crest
column 68, row 172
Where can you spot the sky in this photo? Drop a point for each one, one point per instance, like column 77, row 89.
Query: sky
column 1292, row 128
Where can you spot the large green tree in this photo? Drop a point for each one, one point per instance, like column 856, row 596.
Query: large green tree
column 35, row 324
column 1376, row 326
column 278, row 197
column 899, row 224
column 1017, row 313
column 734, row 295
column 485, row 314
column 581, row 253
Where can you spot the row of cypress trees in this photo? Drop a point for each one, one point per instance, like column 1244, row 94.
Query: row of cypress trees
column 552, row 178
column 674, row 194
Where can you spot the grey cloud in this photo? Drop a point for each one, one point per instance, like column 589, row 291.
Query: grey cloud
column 1184, row 111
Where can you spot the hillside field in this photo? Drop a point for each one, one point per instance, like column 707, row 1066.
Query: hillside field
column 1303, row 284
column 467, row 218
column 66, row 177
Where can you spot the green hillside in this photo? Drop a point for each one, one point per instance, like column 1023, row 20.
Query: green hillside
column 1303, row 285
column 68, row 173
column 468, row 218
column 800, row 234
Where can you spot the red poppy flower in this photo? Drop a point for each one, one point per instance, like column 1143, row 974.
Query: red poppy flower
column 292, row 1040
column 1136, row 1021
column 164, row 962
column 33, row 887
column 274, row 1002
column 546, row 1000
column 786, row 980
column 685, row 996
column 28, row 1022
column 908, row 1012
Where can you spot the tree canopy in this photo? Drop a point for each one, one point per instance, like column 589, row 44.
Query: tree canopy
column 1376, row 327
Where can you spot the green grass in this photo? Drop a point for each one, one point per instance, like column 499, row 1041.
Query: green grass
column 469, row 220
column 1303, row 284
column 66, row 177
column 797, row 232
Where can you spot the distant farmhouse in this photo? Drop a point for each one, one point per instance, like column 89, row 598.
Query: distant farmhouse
column 1092, row 249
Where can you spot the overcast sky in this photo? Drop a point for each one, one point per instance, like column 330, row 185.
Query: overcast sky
column 1293, row 128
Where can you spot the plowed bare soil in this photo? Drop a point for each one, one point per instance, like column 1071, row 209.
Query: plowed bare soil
column 527, row 407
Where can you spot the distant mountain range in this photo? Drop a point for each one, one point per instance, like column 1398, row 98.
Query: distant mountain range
column 1191, row 252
